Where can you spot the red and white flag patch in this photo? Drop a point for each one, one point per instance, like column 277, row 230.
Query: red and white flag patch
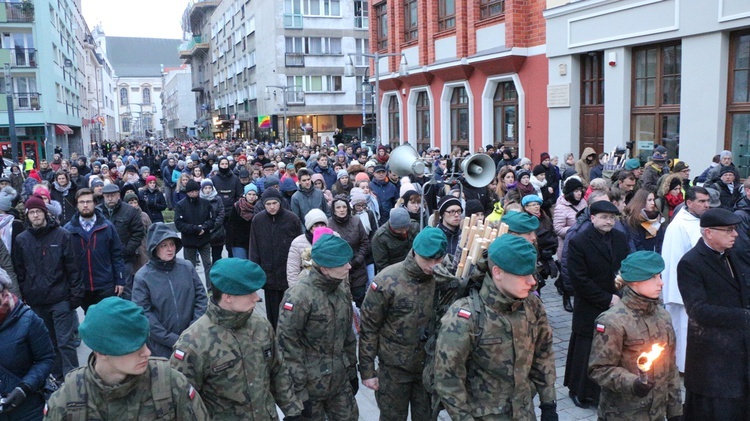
column 600, row 328
column 464, row 313
column 288, row 306
column 46, row 408
column 374, row 286
column 180, row 355
column 191, row 393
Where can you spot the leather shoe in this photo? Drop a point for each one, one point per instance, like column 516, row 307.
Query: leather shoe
column 566, row 303
column 577, row 402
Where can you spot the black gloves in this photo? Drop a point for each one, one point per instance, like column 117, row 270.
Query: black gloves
column 549, row 411
column 354, row 381
column 641, row 389
column 307, row 410
column 15, row 397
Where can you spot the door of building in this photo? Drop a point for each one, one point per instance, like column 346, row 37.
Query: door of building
column 592, row 102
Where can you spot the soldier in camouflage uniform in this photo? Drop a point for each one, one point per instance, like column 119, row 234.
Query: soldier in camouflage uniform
column 622, row 333
column 395, row 316
column 230, row 354
column 492, row 349
column 120, row 381
column 316, row 337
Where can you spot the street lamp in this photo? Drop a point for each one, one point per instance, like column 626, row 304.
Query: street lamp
column 283, row 89
column 349, row 72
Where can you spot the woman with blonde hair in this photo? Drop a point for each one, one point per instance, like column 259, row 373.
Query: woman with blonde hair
column 179, row 190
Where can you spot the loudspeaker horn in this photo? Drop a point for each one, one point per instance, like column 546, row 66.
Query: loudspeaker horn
column 404, row 160
column 478, row 169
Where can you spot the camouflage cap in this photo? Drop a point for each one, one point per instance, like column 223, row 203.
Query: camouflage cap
column 641, row 266
column 331, row 251
column 520, row 222
column 513, row 254
column 430, row 243
column 115, row 327
column 236, row 276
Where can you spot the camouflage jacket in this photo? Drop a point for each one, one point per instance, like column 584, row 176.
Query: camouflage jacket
column 315, row 335
column 622, row 333
column 233, row 360
column 395, row 316
column 494, row 379
column 159, row 393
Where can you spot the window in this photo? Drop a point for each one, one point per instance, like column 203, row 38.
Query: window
column 410, row 20
column 394, row 122
column 148, row 122
column 146, row 96
column 361, row 13
column 314, row 84
column 505, row 110
column 423, row 121
column 592, row 82
column 491, row 8
column 321, row 7
column 459, row 119
column 738, row 107
column 124, row 97
column 363, row 46
column 656, row 97
column 381, row 14
column 126, row 124
column 446, row 14
column 313, row 45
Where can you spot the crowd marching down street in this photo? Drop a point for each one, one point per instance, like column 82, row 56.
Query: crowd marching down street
column 422, row 276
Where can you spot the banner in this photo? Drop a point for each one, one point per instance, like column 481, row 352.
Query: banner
column 264, row 121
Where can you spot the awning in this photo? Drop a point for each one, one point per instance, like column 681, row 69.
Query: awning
column 63, row 129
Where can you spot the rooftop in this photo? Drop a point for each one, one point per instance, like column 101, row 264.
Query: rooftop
column 142, row 57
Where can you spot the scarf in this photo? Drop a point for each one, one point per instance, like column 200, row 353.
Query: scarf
column 651, row 222
column 6, row 230
column 365, row 218
column 209, row 196
column 525, row 190
column 7, row 303
column 340, row 220
column 245, row 209
column 673, row 201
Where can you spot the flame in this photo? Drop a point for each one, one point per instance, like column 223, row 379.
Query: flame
column 645, row 360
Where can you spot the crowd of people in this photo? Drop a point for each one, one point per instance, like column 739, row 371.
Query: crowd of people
column 358, row 269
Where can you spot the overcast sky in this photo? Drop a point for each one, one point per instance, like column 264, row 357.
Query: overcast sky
column 136, row 18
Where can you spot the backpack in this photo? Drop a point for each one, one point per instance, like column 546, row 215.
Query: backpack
column 448, row 289
column 77, row 398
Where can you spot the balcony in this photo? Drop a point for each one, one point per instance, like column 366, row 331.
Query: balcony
column 25, row 101
column 19, row 57
column 293, row 20
column 193, row 46
column 295, row 60
column 17, row 12
column 200, row 8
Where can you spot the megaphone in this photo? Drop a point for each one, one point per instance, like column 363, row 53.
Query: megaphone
column 478, row 169
column 404, row 160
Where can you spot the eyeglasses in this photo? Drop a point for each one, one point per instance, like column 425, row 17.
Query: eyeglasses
column 727, row 229
column 453, row 212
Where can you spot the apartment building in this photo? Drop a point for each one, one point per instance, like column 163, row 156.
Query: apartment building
column 179, row 103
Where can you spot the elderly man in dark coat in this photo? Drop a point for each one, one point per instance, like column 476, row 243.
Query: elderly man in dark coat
column 594, row 257
column 718, row 342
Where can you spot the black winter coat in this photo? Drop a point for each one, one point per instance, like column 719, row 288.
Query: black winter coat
column 153, row 203
column 229, row 188
column 238, row 229
column 192, row 216
column 67, row 201
column 592, row 267
column 354, row 233
column 271, row 237
column 59, row 278
column 130, row 229
column 718, row 340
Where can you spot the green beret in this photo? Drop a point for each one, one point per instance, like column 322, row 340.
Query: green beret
column 115, row 327
column 235, row 276
column 331, row 251
column 641, row 266
column 632, row 164
column 513, row 254
column 430, row 243
column 520, row 222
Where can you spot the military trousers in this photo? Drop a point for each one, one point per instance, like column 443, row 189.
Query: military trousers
column 396, row 392
column 340, row 407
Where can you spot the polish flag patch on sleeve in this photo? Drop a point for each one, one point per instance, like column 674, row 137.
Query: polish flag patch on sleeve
column 191, row 393
column 46, row 408
column 180, row 355
column 600, row 328
column 288, row 306
column 464, row 314
column 374, row 286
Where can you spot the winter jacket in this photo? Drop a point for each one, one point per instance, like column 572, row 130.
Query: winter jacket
column 153, row 203
column 387, row 194
column 354, row 233
column 217, row 208
column 100, row 252
column 127, row 221
column 59, row 278
column 238, row 229
column 67, row 199
column 142, row 258
column 728, row 199
column 305, row 200
column 191, row 215
column 229, row 188
column 564, row 217
column 171, row 293
column 388, row 249
column 295, row 261
column 26, row 356
column 271, row 237
column 329, row 175
column 452, row 237
column 166, row 176
column 583, row 168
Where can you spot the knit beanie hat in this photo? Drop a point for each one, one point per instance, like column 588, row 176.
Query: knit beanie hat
column 249, row 187
column 341, row 173
column 571, row 184
column 315, row 216
column 360, row 177
column 192, row 185
column 270, row 194
column 446, row 202
column 321, row 231
column 399, row 218
column 473, row 206
column 7, row 195
column 130, row 196
column 206, row 182
column 539, row 169
column 35, row 202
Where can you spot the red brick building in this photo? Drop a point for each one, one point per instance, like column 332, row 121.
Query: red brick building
column 477, row 73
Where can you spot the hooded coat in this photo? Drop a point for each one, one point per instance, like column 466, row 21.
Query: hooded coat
column 584, row 168
column 170, row 292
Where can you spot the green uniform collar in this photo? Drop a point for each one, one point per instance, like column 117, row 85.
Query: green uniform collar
column 495, row 299
column 227, row 319
column 412, row 268
column 638, row 303
column 111, row 392
column 323, row 282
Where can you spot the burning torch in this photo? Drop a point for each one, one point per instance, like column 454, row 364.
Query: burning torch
column 645, row 360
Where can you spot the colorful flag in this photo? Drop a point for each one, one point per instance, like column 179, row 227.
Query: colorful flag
column 264, row 121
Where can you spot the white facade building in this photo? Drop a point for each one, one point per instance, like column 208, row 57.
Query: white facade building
column 179, row 103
